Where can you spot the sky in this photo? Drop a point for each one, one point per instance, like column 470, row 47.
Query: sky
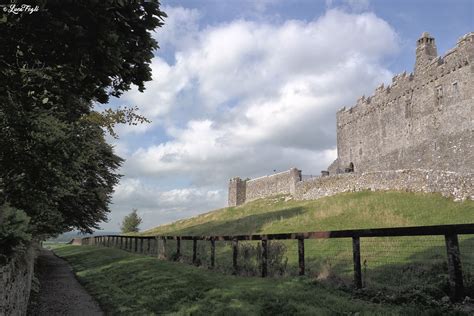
column 249, row 87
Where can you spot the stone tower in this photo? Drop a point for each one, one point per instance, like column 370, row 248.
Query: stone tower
column 422, row 120
column 237, row 188
column 425, row 51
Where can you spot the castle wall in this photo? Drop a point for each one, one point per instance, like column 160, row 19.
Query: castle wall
column 280, row 183
column 423, row 120
column 415, row 135
column 450, row 184
column 241, row 191
column 15, row 282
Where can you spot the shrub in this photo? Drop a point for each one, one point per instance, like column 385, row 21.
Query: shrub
column 14, row 225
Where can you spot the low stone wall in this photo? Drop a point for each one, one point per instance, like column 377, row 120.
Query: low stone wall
column 450, row 184
column 280, row 183
column 15, row 282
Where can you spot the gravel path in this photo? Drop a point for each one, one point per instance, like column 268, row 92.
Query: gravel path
column 60, row 293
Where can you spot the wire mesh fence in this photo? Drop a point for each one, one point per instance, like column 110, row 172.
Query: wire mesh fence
column 391, row 263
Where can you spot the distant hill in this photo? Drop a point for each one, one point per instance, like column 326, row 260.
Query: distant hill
column 65, row 237
column 344, row 211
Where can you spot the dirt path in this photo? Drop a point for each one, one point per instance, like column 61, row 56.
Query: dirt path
column 60, row 293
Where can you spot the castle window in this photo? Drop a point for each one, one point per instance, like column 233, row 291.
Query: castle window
column 439, row 95
column 407, row 109
column 455, row 89
column 350, row 168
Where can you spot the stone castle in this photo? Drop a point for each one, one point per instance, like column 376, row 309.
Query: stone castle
column 416, row 134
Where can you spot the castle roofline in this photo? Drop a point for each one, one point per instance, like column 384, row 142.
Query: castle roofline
column 404, row 76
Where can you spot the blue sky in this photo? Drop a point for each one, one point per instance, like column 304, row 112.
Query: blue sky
column 242, row 88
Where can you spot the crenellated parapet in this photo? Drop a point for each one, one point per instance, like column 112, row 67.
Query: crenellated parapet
column 419, row 120
column 405, row 84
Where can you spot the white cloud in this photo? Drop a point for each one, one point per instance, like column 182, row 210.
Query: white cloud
column 244, row 98
column 258, row 87
column 157, row 206
column 180, row 28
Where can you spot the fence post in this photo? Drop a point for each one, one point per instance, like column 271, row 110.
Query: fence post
column 213, row 253
column 264, row 257
column 235, row 253
column 194, row 250
column 178, row 248
column 148, row 243
column 136, row 243
column 301, row 255
column 456, row 285
column 163, row 247
column 357, row 266
column 141, row 245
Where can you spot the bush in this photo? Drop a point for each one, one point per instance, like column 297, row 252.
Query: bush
column 14, row 225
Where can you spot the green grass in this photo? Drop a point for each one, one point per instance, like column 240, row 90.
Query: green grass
column 397, row 265
column 343, row 211
column 131, row 284
column 403, row 275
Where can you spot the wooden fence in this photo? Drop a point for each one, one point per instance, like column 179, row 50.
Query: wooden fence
column 450, row 233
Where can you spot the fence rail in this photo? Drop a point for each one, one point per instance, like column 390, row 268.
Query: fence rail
column 450, row 233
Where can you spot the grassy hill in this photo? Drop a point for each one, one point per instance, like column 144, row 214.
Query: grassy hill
column 132, row 284
column 401, row 275
column 395, row 264
column 343, row 211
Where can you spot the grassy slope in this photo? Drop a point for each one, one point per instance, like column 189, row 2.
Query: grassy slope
column 386, row 260
column 130, row 284
column 344, row 211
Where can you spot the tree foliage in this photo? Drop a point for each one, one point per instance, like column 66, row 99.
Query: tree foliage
column 13, row 230
column 131, row 222
column 56, row 65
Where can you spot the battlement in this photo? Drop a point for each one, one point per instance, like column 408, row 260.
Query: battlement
column 418, row 113
column 402, row 84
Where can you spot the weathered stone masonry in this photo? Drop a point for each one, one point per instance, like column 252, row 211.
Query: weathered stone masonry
column 15, row 282
column 449, row 184
column 241, row 191
column 415, row 135
column 422, row 120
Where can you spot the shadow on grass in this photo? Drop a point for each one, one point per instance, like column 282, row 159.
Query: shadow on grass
column 246, row 225
column 127, row 284
column 423, row 279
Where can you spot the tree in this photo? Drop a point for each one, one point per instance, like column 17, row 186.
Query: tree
column 57, row 66
column 13, row 230
column 131, row 222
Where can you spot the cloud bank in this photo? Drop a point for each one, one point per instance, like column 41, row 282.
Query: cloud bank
column 244, row 98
